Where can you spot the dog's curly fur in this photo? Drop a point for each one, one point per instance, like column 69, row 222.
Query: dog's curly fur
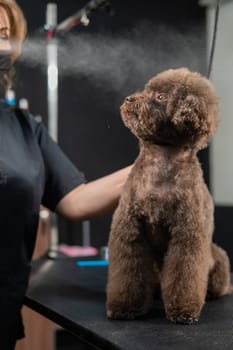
column 161, row 233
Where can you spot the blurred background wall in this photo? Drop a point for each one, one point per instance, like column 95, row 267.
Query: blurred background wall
column 98, row 66
column 221, row 165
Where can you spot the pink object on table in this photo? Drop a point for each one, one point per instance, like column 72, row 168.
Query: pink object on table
column 76, row 250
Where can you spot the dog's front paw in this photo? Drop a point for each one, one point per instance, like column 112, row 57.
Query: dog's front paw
column 125, row 313
column 121, row 315
column 183, row 315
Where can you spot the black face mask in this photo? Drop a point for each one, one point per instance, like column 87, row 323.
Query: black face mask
column 5, row 61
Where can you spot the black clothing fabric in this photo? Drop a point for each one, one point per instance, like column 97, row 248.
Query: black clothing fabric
column 9, row 336
column 8, row 339
column 33, row 171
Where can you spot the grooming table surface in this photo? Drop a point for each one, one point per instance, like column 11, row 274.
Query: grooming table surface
column 74, row 298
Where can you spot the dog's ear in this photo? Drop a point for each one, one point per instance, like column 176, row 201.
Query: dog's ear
column 191, row 116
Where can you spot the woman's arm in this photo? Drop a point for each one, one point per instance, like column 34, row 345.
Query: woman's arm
column 95, row 198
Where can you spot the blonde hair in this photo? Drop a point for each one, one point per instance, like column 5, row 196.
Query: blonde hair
column 18, row 26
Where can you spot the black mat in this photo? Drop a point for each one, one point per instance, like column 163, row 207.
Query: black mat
column 75, row 299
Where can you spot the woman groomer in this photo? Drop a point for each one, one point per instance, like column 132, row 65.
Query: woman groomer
column 33, row 170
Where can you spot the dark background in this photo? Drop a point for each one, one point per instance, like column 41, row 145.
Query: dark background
column 91, row 132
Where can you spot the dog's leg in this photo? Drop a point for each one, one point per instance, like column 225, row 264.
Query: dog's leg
column 219, row 276
column 185, row 273
column 130, row 280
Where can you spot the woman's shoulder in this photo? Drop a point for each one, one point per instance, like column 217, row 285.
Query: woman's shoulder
column 25, row 117
column 23, row 113
column 18, row 116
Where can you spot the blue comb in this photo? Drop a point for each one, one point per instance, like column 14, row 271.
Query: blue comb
column 89, row 263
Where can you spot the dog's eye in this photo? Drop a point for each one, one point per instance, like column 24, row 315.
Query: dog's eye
column 160, row 97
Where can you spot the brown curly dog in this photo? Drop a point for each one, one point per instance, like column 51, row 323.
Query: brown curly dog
column 161, row 233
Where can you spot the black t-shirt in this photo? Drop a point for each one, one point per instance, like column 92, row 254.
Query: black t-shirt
column 33, row 171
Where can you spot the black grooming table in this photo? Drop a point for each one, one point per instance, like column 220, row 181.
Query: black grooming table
column 74, row 297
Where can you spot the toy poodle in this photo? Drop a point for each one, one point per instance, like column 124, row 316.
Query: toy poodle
column 161, row 232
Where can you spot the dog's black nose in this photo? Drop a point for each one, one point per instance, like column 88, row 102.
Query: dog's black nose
column 129, row 99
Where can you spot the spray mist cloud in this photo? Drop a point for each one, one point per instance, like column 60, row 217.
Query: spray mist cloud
column 120, row 62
